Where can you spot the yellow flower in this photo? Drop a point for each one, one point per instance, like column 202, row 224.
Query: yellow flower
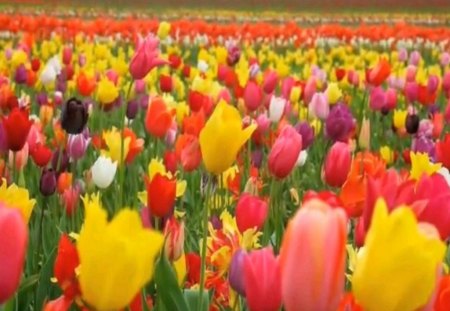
column 107, row 92
column 364, row 135
column 222, row 138
column 111, row 252
column 387, row 154
column 19, row 57
column 333, row 93
column 396, row 270
column 163, row 30
column 420, row 164
column 399, row 118
column 180, row 269
column 17, row 197
column 113, row 142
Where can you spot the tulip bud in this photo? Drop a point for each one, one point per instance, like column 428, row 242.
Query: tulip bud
column 74, row 116
column 77, row 145
column 132, row 109
column 236, row 272
column 364, row 135
column 276, row 108
column 319, row 107
column 252, row 96
column 251, row 212
column 270, row 82
column 166, row 83
column 285, row 152
column 103, row 172
column 337, row 164
column 174, row 233
column 47, row 184
column 13, row 241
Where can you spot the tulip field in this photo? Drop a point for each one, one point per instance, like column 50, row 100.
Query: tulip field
column 224, row 160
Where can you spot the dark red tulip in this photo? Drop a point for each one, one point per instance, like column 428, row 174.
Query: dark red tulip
column 74, row 116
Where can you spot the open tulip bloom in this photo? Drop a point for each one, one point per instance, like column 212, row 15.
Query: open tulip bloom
column 220, row 160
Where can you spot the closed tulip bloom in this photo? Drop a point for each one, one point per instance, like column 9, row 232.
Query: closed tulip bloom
column 222, row 137
column 146, row 57
column 333, row 93
column 307, row 133
column 17, row 125
column 391, row 99
column 339, row 123
column 77, row 145
column 262, row 279
column 337, row 164
column 396, row 270
column 111, row 252
column 312, row 258
column 107, row 92
column 415, row 58
column 20, row 76
column 252, row 96
column 379, row 73
column 74, row 116
column 377, row 99
column 13, row 248
column 270, row 82
column 236, row 272
column 364, row 135
column 251, row 212
column 165, row 83
column 41, row 154
column 285, row 152
column 85, row 85
column 103, row 172
column 174, row 243
column 161, row 195
column 443, row 151
column 319, row 107
column 158, row 119
column 47, row 183
column 276, row 108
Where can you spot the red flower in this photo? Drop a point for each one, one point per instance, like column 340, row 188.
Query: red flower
column 377, row 75
column 136, row 145
column 187, row 149
column 196, row 100
column 161, row 193
column 66, row 262
column 337, row 164
column 60, row 304
column 251, row 212
column 165, row 83
column 443, row 151
column 41, row 154
column 170, row 161
column 17, row 126
column 158, row 119
column 193, row 262
column 194, row 123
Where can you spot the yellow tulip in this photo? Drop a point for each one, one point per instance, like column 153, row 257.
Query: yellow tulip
column 399, row 118
column 163, row 30
column 112, row 140
column 333, row 93
column 107, row 92
column 222, row 138
column 396, row 270
column 421, row 164
column 112, row 253
column 17, row 197
column 387, row 154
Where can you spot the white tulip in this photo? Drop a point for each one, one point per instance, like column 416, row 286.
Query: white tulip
column 103, row 172
column 48, row 75
column 303, row 155
column 276, row 108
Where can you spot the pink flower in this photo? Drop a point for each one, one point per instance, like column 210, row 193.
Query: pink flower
column 319, row 107
column 377, row 99
column 337, row 164
column 252, row 96
column 285, row 152
column 270, row 82
column 146, row 57
column 251, row 212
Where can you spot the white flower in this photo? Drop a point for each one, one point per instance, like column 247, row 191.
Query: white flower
column 202, row 65
column 103, row 172
column 276, row 108
column 48, row 75
column 303, row 155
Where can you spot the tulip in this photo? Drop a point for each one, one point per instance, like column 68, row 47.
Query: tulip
column 20, row 158
column 442, row 302
column 412, row 123
column 402, row 54
column 103, row 267
column 163, row 30
column 236, row 272
column 74, row 116
column 103, row 172
column 77, row 145
column 251, row 212
column 333, row 93
column 158, row 118
column 60, row 161
column 307, row 133
column 375, row 286
column 51, row 70
column 319, row 107
column 312, row 258
column 379, row 73
column 41, row 155
column 165, row 83
column 47, row 183
column 337, row 164
column 364, row 135
column 174, row 239
column 262, row 281
column 414, row 58
column 222, row 138
column 443, row 151
column 234, row 54
column 69, row 199
column 161, row 194
column 339, row 123
column 276, row 108
column 252, row 96
column 66, row 263
column 107, row 92
column 285, row 152
column 20, row 76
column 85, row 85
column 411, row 92
column 145, row 58
column 17, row 125
column 310, row 89
column 391, row 99
column 13, row 241
column 377, row 99
column 270, row 82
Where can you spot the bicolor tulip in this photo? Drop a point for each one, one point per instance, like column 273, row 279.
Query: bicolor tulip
column 285, row 152
column 312, row 258
column 222, row 138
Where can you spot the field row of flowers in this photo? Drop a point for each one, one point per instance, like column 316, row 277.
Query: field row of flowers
column 196, row 165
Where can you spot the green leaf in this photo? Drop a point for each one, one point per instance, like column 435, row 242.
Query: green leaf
column 192, row 298
column 29, row 282
column 168, row 291
column 46, row 290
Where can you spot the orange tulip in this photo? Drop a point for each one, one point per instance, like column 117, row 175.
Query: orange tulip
column 136, row 145
column 85, row 84
column 158, row 119
column 442, row 302
column 194, row 123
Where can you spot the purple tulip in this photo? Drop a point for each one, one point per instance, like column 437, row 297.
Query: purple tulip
column 47, row 183
column 20, row 75
column 339, row 123
column 236, row 273
column 77, row 146
column 307, row 133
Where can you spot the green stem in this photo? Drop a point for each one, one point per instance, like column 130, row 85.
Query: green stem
column 41, row 224
column 14, row 169
column 204, row 237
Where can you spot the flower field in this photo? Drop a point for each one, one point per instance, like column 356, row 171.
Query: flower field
column 221, row 160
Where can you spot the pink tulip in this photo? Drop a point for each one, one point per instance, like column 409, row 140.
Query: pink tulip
column 286, row 87
column 285, row 152
column 319, row 106
column 262, row 281
column 444, row 59
column 112, row 76
column 77, row 145
column 263, row 123
column 310, row 89
column 353, row 78
column 222, row 72
column 391, row 99
column 139, row 86
column 414, row 58
column 252, row 96
column 270, row 82
column 146, row 57
column 411, row 91
column 13, row 247
column 377, row 99
column 225, row 95
column 312, row 258
column 67, row 55
column 433, row 83
column 411, row 72
column 337, row 164
column 251, row 212
column 402, row 55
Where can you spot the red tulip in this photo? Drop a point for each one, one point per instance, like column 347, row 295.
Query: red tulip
column 165, row 83
column 66, row 55
column 312, row 258
column 251, row 212
column 70, row 199
column 193, row 263
column 252, row 96
column 270, row 82
column 145, row 58
column 13, row 247
column 161, row 193
column 35, row 64
column 187, row 149
column 158, row 119
column 443, row 151
column 196, row 100
column 442, row 302
column 17, row 126
column 85, row 84
column 328, row 197
column 377, row 75
column 66, row 262
column 60, row 304
column 262, row 281
column 337, row 164
column 285, row 152
column 170, row 161
column 41, row 155
column 175, row 61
